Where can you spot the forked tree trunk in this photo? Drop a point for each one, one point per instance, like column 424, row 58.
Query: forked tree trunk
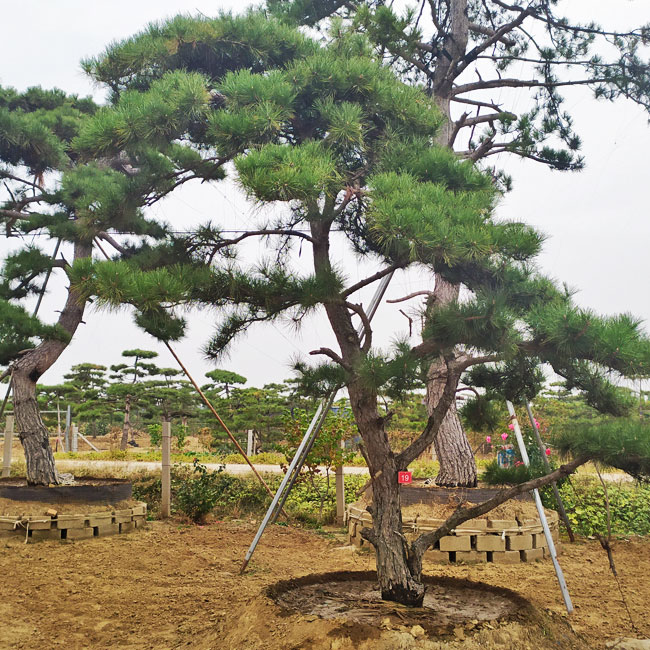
column 25, row 372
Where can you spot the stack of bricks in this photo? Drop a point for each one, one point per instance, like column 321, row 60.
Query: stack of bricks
column 500, row 541
column 95, row 524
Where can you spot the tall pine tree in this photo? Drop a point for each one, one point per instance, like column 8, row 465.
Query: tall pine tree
column 338, row 141
column 460, row 51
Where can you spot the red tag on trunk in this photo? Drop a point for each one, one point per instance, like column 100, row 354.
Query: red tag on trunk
column 404, row 477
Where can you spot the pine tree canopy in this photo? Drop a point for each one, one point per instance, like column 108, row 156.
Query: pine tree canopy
column 345, row 145
column 459, row 49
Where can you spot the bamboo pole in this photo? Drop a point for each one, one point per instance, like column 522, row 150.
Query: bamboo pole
column 207, row 402
column 340, row 492
column 166, row 497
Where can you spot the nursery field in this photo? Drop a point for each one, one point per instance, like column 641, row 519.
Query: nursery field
column 172, row 586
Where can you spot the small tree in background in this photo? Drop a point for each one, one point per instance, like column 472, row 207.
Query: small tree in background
column 223, row 381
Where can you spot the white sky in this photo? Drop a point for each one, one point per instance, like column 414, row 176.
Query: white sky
column 596, row 221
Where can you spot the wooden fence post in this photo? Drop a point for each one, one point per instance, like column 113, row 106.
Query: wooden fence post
column 74, row 438
column 166, row 501
column 9, row 438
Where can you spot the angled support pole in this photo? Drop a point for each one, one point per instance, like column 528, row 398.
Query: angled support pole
column 540, row 510
column 309, row 438
column 556, row 492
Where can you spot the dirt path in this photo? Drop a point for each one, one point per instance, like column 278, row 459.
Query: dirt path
column 174, row 586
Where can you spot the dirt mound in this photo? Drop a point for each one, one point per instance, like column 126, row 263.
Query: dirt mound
column 355, row 596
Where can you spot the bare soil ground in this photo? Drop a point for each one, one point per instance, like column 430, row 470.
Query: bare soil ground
column 174, row 586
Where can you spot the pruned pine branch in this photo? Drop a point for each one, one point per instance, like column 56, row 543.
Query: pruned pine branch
column 465, row 514
column 367, row 328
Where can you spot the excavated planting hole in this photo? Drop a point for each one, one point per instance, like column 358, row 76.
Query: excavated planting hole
column 355, row 597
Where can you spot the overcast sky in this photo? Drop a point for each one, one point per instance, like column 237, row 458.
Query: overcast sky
column 596, row 220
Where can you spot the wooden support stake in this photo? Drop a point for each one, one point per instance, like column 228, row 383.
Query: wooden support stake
column 166, row 500
column 9, row 438
column 74, row 440
column 90, row 444
column 207, row 402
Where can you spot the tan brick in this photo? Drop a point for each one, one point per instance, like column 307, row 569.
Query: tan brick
column 140, row 509
column 519, row 542
column 39, row 535
column 539, row 540
column 7, row 523
column 473, row 524
column 430, row 523
column 140, row 523
column 100, row 518
column 451, row 543
column 79, row 533
column 470, row 557
column 532, row 554
column 502, row 524
column 122, row 519
column 126, row 527
column 490, row 543
column 107, row 529
column 506, row 557
column 39, row 523
column 70, row 521
column 439, row 557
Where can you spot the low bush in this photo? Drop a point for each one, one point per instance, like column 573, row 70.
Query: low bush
column 584, row 500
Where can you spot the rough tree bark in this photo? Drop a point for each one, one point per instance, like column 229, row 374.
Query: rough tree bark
column 457, row 464
column 453, row 451
column 126, row 427
column 25, row 373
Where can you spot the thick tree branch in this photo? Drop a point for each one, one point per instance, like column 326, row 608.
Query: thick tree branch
column 461, row 515
column 4, row 174
column 522, row 83
column 367, row 329
column 370, row 279
column 110, row 240
column 328, row 352
column 424, row 292
column 487, row 31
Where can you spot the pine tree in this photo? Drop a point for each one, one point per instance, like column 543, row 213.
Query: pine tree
column 339, row 141
column 78, row 205
column 459, row 49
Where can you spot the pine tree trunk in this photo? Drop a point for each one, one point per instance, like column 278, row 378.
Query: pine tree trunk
column 126, row 427
column 31, row 430
column 457, row 464
column 26, row 372
column 453, row 451
column 396, row 581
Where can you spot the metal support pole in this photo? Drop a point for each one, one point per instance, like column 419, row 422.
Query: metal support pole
column 540, row 510
column 74, row 440
column 249, row 444
column 9, row 438
column 556, row 492
column 309, row 437
column 166, row 497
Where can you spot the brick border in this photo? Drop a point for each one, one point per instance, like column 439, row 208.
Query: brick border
column 502, row 541
column 95, row 524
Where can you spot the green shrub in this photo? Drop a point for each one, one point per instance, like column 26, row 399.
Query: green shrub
column 198, row 494
column 584, row 500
